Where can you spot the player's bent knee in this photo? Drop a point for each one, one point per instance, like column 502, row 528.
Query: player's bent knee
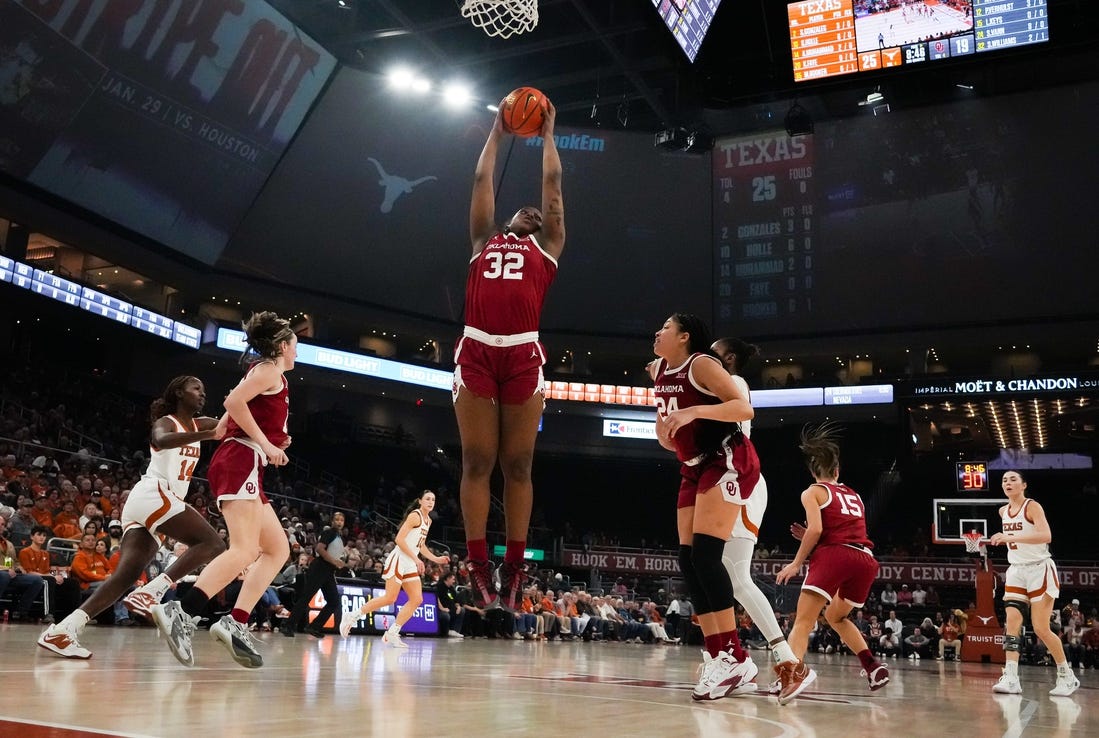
column 707, row 561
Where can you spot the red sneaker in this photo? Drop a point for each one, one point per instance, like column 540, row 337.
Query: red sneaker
column 480, row 581
column 512, row 577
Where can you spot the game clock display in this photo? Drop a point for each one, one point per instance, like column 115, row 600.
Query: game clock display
column 833, row 37
column 972, row 476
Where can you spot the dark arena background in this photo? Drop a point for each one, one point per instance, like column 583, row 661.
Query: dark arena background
column 904, row 224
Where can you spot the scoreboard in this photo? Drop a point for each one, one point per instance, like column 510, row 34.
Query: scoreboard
column 688, row 20
column 836, row 37
column 765, row 240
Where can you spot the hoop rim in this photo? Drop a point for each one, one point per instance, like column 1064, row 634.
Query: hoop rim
column 974, row 541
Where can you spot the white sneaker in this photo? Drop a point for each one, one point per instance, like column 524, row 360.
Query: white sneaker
column 1008, row 684
column 392, row 637
column 706, row 676
column 141, row 602
column 236, row 638
column 177, row 627
column 1066, row 685
column 347, row 622
column 63, row 642
column 732, row 676
column 454, row 634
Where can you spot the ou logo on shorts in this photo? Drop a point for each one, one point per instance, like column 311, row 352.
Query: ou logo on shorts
column 250, row 488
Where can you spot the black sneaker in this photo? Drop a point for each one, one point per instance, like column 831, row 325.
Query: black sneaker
column 512, row 577
column 315, row 632
column 480, row 581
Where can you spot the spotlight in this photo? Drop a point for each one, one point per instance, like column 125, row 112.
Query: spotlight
column 401, row 78
column 673, row 139
column 457, row 95
column 798, row 121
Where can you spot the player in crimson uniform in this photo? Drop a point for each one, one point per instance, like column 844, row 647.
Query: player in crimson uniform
column 499, row 390
column 699, row 408
column 255, row 427
column 841, row 568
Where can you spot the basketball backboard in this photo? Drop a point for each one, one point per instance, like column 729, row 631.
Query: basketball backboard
column 951, row 517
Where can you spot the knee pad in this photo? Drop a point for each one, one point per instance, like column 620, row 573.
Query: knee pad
column 694, row 586
column 711, row 571
column 1022, row 606
column 1013, row 643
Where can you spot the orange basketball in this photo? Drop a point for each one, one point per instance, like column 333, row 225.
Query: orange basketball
column 523, row 112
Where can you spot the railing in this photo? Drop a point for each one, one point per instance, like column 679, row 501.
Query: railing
column 63, row 452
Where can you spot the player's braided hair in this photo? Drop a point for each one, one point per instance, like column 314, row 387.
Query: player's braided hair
column 168, row 403
column 266, row 331
column 821, row 449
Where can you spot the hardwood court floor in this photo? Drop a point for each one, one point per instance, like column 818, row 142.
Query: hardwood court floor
column 358, row 687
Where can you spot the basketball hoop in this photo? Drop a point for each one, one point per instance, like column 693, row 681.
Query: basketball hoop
column 503, row 18
column 972, row 540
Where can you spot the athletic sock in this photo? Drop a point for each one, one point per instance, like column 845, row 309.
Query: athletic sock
column 195, row 602
column 241, row 616
column 1011, row 668
column 713, row 644
column 782, row 652
column 513, row 554
column 478, row 550
column 77, row 619
column 867, row 660
column 730, row 642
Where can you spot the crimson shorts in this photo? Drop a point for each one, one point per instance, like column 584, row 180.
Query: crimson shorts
column 841, row 571
column 236, row 472
column 736, row 481
column 510, row 374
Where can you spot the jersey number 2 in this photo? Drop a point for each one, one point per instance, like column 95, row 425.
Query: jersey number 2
column 508, row 266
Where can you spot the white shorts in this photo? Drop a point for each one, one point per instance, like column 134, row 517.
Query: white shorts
column 751, row 513
column 397, row 564
column 1031, row 582
column 149, row 505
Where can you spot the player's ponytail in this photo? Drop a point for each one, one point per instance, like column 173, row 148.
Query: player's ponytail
column 741, row 350
column 699, row 337
column 265, row 333
column 821, row 450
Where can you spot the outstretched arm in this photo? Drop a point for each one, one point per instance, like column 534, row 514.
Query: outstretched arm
column 553, row 203
column 482, row 207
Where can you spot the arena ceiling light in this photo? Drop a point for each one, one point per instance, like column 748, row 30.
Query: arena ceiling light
column 457, row 95
column 404, row 79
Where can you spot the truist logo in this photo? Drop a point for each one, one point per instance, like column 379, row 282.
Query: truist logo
column 572, row 142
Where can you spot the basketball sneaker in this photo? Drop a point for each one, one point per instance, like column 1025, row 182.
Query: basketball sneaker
column 177, row 627
column 1008, row 684
column 732, row 676
column 706, row 674
column 795, row 677
column 63, row 642
column 347, row 622
column 480, row 581
column 774, row 687
column 141, row 602
column 392, row 637
column 240, row 643
column 512, row 577
column 877, row 677
column 1067, row 683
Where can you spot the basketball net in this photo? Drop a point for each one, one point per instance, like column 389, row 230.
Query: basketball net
column 973, row 543
column 503, row 18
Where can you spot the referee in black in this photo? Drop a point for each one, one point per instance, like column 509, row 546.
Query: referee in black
column 321, row 574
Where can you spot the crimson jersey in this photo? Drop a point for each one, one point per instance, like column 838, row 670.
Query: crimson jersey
column 843, row 517
column 507, row 285
column 270, row 411
column 675, row 390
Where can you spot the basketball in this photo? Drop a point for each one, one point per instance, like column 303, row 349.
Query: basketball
column 523, row 112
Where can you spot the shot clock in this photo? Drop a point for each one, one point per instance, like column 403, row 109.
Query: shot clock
column 972, row 476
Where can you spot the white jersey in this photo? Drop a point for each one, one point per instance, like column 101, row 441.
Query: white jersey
column 172, row 468
column 745, row 425
column 1018, row 524
column 417, row 535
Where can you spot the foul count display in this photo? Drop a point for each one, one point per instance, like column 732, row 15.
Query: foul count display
column 834, row 37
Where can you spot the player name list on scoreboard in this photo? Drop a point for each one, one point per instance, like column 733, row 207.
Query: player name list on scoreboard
column 1000, row 24
column 822, row 39
column 765, row 239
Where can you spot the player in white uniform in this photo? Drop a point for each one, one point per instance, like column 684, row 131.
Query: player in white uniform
column 1031, row 578
column 154, row 507
column 402, row 570
column 737, row 556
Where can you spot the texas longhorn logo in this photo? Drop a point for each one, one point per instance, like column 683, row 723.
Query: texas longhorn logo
column 395, row 186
